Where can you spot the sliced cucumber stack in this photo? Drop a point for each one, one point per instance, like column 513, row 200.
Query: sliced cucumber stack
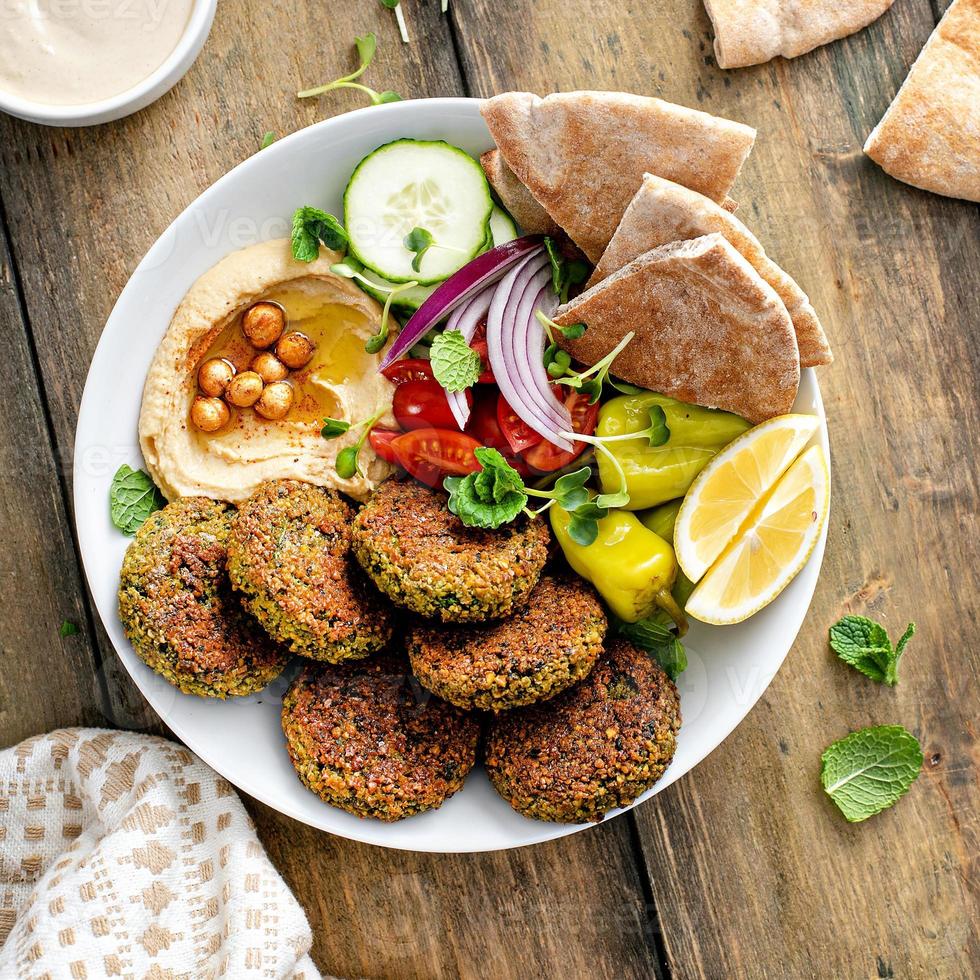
column 502, row 229
column 412, row 184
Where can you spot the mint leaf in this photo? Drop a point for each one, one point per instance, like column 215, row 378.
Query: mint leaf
column 489, row 498
column 864, row 645
column 312, row 226
column 67, row 629
column 455, row 364
column 868, row 771
column 656, row 638
column 132, row 498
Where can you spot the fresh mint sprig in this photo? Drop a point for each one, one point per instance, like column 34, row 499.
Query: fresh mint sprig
column 366, row 47
column 455, row 365
column 133, row 497
column 312, row 226
column 864, row 645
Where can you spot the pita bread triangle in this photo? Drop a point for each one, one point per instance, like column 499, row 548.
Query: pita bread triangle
column 663, row 212
column 515, row 197
column 930, row 135
column 582, row 155
column 708, row 329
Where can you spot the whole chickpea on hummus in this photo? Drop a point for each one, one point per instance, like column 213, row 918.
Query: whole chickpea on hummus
column 198, row 440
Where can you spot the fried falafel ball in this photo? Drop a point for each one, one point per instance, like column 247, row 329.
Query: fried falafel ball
column 365, row 737
column 595, row 747
column 541, row 650
column 289, row 555
column 425, row 559
column 179, row 612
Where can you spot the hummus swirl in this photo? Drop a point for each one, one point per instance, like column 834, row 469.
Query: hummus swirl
column 342, row 381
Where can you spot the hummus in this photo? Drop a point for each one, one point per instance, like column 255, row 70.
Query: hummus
column 340, row 381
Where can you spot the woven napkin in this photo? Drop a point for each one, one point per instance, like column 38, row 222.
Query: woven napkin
column 123, row 855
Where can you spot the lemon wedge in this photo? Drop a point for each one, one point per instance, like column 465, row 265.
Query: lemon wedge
column 771, row 549
column 725, row 492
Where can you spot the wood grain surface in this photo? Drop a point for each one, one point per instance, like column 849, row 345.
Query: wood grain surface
column 743, row 868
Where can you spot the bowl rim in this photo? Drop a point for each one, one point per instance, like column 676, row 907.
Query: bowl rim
column 161, row 80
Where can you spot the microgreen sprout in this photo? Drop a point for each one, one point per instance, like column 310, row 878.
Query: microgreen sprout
column 591, row 380
column 565, row 272
column 366, row 46
column 399, row 17
column 267, row 139
column 350, row 269
column 346, row 464
column 419, row 241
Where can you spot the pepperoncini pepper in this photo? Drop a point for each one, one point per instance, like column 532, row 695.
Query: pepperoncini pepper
column 656, row 474
column 632, row 568
column 661, row 520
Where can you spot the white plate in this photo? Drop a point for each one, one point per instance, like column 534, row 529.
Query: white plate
column 729, row 668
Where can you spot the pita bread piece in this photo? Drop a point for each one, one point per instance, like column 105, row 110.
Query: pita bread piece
column 750, row 32
column 930, row 135
column 663, row 212
column 582, row 155
column 515, row 197
column 709, row 330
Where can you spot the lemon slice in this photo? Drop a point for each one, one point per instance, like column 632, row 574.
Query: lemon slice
column 726, row 490
column 769, row 553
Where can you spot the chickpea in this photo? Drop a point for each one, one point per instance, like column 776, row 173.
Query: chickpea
column 295, row 350
column 276, row 401
column 214, row 375
column 263, row 324
column 209, row 414
column 245, row 389
column 269, row 368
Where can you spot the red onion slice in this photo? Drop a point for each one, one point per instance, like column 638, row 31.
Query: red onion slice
column 485, row 269
column 466, row 319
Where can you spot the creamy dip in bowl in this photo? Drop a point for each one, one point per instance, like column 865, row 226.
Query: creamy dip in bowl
column 81, row 62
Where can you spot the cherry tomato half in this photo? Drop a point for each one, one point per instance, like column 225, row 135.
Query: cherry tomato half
column 381, row 440
column 519, row 434
column 423, row 405
column 547, row 457
column 408, row 369
column 479, row 344
column 432, row 454
column 483, row 424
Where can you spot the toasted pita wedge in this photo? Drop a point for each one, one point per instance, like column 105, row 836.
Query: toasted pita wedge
column 515, row 197
column 709, row 329
column 750, row 32
column 663, row 212
column 582, row 155
column 930, row 135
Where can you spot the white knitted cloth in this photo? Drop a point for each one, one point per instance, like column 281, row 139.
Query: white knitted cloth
column 123, row 855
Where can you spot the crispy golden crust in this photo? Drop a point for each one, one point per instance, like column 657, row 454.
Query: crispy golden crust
column 709, row 330
column 582, row 155
column 179, row 612
column 426, row 560
column 595, row 747
column 664, row 212
column 365, row 738
column 289, row 555
column 541, row 650
column 930, row 135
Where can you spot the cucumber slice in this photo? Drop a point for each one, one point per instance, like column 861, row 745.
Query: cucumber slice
column 415, row 184
column 409, row 299
column 502, row 226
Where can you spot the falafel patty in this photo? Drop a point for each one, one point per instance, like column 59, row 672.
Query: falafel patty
column 179, row 612
column 365, row 738
column 289, row 554
column 424, row 558
column 595, row 747
column 545, row 647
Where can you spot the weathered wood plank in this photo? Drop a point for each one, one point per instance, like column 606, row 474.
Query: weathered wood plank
column 110, row 192
column 753, row 871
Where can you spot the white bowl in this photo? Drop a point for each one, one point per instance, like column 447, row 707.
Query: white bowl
column 729, row 668
column 132, row 100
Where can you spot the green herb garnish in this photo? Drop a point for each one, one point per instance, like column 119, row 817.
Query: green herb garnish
column 868, row 771
column 571, row 332
column 864, row 644
column 132, row 498
column 351, row 269
column 655, row 637
column 565, row 272
column 399, row 17
column 419, row 241
column 455, row 364
column 67, row 629
column 347, row 459
column 334, row 427
column 496, row 495
column 366, row 46
column 267, row 139
column 312, row 226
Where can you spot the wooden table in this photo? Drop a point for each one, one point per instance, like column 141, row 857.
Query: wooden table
column 744, row 868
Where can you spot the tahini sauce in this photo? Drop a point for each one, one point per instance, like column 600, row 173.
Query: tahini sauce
column 73, row 52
